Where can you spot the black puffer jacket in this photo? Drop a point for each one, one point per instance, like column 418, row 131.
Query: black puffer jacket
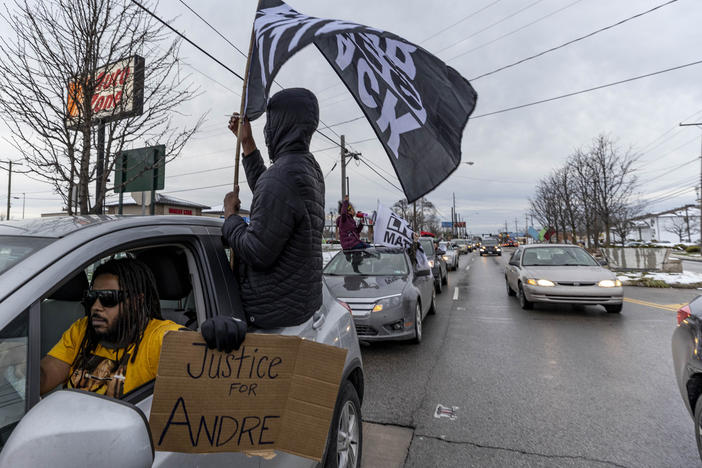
column 280, row 251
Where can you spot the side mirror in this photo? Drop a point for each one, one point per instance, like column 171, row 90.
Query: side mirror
column 602, row 261
column 441, row 252
column 422, row 273
column 54, row 432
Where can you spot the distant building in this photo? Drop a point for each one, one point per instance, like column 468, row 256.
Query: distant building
column 665, row 226
column 164, row 205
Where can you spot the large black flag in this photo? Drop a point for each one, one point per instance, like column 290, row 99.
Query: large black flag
column 417, row 105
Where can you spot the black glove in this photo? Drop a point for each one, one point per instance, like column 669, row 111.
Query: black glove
column 223, row 332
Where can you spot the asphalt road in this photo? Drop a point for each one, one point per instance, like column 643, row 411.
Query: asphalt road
column 695, row 267
column 555, row 386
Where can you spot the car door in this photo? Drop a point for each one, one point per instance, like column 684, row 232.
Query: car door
column 423, row 283
column 512, row 270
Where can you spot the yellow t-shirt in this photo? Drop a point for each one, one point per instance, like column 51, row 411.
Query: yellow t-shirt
column 109, row 371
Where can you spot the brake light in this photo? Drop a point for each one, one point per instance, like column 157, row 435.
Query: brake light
column 346, row 306
column 683, row 313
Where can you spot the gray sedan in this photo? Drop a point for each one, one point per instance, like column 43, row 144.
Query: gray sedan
column 44, row 270
column 564, row 274
column 388, row 296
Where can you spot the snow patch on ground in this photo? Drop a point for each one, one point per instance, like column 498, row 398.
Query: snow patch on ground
column 686, row 277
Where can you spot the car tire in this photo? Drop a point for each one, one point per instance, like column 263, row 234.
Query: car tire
column 437, row 286
column 510, row 291
column 417, row 324
column 432, row 307
column 614, row 309
column 444, row 280
column 523, row 301
column 499, row 254
column 345, row 451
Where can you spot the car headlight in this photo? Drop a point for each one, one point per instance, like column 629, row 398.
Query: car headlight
column 390, row 301
column 540, row 282
column 431, row 263
column 609, row 283
column 446, row 258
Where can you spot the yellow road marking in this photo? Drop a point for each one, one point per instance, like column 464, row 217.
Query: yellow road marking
column 670, row 307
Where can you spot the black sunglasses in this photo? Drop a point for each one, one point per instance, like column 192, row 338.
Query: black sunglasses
column 108, row 297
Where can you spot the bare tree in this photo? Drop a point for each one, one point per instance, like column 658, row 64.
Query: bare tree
column 613, row 180
column 623, row 224
column 54, row 58
column 681, row 227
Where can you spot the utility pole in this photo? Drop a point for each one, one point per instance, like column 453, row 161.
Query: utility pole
column 9, row 184
column 343, row 167
column 687, row 224
column 698, row 124
column 453, row 216
column 345, row 157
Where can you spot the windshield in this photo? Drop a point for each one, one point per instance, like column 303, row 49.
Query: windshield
column 427, row 246
column 557, row 256
column 367, row 263
column 489, row 242
column 14, row 249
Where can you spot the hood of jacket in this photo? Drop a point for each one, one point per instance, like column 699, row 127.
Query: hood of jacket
column 292, row 116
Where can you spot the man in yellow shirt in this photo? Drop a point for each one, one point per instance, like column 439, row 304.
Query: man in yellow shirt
column 116, row 347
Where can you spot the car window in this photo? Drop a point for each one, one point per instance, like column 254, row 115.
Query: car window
column 180, row 299
column 427, row 246
column 516, row 257
column 557, row 256
column 13, row 375
column 14, row 249
column 367, row 263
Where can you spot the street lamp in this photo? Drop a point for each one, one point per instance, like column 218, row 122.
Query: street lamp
column 24, row 199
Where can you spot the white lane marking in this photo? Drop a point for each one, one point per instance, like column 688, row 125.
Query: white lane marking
column 455, row 293
column 468, row 268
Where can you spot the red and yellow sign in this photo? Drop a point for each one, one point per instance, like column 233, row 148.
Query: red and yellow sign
column 119, row 92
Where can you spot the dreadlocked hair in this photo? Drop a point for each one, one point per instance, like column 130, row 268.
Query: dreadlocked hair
column 141, row 304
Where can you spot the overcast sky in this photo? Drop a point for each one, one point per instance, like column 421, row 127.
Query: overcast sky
column 511, row 150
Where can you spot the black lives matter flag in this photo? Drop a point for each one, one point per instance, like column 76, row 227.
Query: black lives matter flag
column 417, row 105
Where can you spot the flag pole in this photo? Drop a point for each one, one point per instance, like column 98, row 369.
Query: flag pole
column 237, row 155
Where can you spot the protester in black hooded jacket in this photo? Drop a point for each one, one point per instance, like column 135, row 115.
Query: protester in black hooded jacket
column 280, row 251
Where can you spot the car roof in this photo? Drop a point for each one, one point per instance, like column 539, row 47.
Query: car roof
column 62, row 226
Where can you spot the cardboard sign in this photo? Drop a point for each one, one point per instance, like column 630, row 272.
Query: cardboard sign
column 275, row 393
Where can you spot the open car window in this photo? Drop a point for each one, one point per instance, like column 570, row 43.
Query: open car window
column 175, row 274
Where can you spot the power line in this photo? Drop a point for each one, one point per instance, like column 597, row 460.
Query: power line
column 589, row 89
column 470, row 15
column 212, row 27
column 186, row 39
column 572, row 41
column 515, row 30
column 491, row 25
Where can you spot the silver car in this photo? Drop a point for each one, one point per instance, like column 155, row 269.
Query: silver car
column 564, row 274
column 44, row 269
column 388, row 296
column 451, row 255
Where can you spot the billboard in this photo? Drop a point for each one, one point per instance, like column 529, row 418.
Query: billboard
column 119, row 92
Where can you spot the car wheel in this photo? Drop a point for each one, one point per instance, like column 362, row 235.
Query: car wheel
column 444, row 280
column 510, row 292
column 417, row 324
column 523, row 301
column 345, row 442
column 437, row 286
column 432, row 307
column 614, row 309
